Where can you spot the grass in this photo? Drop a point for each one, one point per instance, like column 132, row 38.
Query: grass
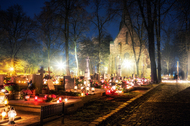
column 100, row 107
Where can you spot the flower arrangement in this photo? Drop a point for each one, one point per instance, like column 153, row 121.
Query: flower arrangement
column 26, row 92
column 50, row 98
column 10, row 86
column 77, row 81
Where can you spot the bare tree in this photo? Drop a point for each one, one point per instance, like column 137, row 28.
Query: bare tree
column 100, row 20
column 65, row 9
column 48, row 30
column 136, row 32
column 17, row 28
column 79, row 24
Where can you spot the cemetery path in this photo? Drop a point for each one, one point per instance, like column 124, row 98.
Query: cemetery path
column 168, row 104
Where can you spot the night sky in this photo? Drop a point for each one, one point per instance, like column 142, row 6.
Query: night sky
column 32, row 7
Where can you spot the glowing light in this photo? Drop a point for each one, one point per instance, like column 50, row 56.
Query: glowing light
column 118, row 91
column 56, row 82
column 82, row 94
column 27, row 97
column 128, row 87
column 75, row 87
column 3, row 114
column 45, row 81
column 113, row 87
column 108, row 92
column 93, row 89
column 60, row 65
column 45, row 96
column 127, row 63
column 3, row 90
column 81, row 88
column 174, row 81
column 57, row 101
column 11, row 69
column 36, row 98
column 60, row 99
column 116, row 81
column 84, row 82
column 6, row 101
column 87, row 88
column 11, row 115
column 66, row 99
column 106, row 68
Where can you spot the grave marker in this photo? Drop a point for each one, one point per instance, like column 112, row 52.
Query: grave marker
column 49, row 72
column 41, row 71
column 69, row 82
column 38, row 80
column 50, row 84
column 87, row 71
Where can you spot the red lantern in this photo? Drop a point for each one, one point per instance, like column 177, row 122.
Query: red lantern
column 60, row 99
column 36, row 98
column 108, row 92
column 45, row 96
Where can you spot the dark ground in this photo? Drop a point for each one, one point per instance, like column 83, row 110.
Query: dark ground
column 168, row 104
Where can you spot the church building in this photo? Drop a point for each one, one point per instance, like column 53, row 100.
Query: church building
column 122, row 57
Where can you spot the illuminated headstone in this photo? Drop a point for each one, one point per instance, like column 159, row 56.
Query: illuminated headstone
column 87, row 71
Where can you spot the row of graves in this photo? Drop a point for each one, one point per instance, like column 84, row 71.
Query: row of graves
column 39, row 88
column 29, row 86
column 119, row 85
column 46, row 88
column 51, row 87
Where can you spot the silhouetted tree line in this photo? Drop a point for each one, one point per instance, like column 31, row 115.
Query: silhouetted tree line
column 61, row 30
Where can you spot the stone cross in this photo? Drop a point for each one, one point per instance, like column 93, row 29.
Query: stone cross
column 49, row 72
column 41, row 71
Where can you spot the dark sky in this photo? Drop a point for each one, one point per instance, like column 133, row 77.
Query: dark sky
column 32, row 7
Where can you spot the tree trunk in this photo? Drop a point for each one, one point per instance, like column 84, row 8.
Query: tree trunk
column 158, row 45
column 67, row 40
column 137, row 65
column 152, row 57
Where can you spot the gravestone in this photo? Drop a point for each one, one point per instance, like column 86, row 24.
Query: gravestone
column 2, row 79
column 96, row 77
column 68, row 82
column 50, row 84
column 38, row 80
column 87, row 71
column 106, row 76
column 41, row 71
